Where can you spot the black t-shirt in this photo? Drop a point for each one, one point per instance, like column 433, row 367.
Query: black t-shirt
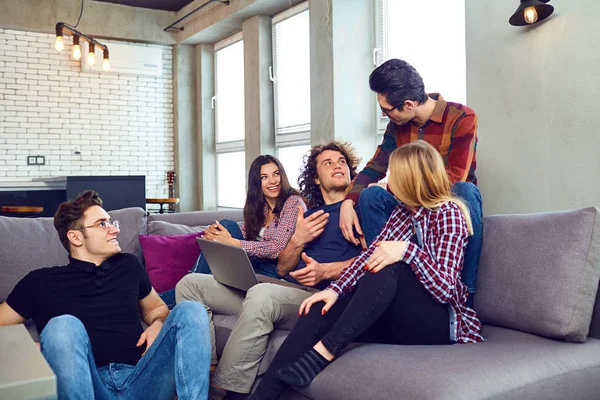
column 330, row 245
column 105, row 298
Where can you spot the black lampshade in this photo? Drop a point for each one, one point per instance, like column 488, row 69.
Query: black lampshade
column 543, row 11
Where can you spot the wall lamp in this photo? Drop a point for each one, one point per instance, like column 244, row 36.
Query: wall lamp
column 530, row 12
column 59, row 45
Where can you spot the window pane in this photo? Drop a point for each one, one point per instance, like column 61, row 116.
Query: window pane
column 292, row 159
column 231, row 179
column 438, row 51
column 292, row 71
column 230, row 92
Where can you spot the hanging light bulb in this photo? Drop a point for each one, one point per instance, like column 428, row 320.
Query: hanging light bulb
column 59, row 45
column 91, row 59
column 76, row 48
column 106, row 62
column 530, row 15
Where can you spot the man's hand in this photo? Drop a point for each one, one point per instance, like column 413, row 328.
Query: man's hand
column 328, row 296
column 310, row 227
column 310, row 275
column 386, row 253
column 150, row 335
column 348, row 221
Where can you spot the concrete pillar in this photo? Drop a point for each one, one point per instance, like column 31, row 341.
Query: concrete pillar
column 342, row 105
column 184, row 115
column 258, row 88
column 205, row 130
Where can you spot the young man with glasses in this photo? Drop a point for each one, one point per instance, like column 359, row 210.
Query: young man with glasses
column 450, row 127
column 88, row 315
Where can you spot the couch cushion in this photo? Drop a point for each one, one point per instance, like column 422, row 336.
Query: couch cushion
column 168, row 229
column 539, row 273
column 169, row 258
column 132, row 223
column 27, row 244
column 198, row 218
column 509, row 365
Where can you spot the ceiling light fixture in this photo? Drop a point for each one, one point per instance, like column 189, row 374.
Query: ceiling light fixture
column 62, row 28
column 531, row 11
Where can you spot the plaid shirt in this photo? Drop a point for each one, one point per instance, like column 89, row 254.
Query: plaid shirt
column 452, row 130
column 437, row 264
column 279, row 232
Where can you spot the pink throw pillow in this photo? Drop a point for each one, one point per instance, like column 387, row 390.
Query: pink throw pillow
column 169, row 258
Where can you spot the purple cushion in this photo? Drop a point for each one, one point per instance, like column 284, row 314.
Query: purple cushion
column 169, row 258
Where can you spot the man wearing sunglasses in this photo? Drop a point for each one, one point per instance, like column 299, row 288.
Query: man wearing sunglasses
column 88, row 313
column 449, row 127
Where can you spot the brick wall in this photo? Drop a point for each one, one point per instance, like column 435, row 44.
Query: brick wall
column 121, row 124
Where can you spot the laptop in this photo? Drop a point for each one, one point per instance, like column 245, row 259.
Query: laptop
column 231, row 266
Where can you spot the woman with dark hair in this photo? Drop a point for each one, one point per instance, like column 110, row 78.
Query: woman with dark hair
column 270, row 215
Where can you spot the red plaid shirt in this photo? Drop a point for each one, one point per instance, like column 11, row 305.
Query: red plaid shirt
column 452, row 130
column 279, row 232
column 437, row 265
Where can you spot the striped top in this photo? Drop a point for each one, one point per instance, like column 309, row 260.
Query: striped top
column 279, row 232
column 437, row 262
column 452, row 130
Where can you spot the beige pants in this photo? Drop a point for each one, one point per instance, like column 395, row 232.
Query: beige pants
column 264, row 307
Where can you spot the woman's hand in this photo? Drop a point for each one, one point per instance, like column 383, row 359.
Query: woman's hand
column 386, row 253
column 328, row 296
column 219, row 233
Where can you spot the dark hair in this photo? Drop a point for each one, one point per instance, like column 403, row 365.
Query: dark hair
column 254, row 215
column 398, row 81
column 69, row 215
column 306, row 181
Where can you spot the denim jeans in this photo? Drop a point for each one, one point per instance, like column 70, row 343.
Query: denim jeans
column 177, row 362
column 261, row 266
column 375, row 205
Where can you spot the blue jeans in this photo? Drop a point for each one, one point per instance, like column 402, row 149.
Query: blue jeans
column 375, row 205
column 261, row 266
column 177, row 362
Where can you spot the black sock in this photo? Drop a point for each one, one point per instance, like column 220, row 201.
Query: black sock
column 304, row 370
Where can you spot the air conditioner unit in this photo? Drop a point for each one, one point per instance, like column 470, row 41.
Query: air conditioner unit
column 126, row 59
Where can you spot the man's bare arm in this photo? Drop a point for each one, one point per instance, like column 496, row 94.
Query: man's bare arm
column 307, row 229
column 334, row 269
column 315, row 272
column 289, row 256
column 153, row 308
column 8, row 316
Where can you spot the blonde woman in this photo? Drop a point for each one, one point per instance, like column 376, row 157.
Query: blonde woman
column 404, row 289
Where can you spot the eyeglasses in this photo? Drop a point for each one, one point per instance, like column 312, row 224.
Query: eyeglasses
column 387, row 111
column 105, row 225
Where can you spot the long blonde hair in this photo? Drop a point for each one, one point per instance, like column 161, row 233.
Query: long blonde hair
column 418, row 178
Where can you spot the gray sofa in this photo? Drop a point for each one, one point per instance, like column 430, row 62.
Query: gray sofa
column 537, row 296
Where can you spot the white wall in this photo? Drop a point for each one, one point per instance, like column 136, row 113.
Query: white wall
column 123, row 125
column 535, row 91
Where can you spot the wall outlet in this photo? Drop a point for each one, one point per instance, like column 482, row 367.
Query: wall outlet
column 36, row 160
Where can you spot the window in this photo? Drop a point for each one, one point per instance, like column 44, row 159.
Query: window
column 229, row 122
column 430, row 35
column 291, row 76
column 231, row 179
column 292, row 158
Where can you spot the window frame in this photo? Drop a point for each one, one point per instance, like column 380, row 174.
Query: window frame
column 298, row 134
column 234, row 146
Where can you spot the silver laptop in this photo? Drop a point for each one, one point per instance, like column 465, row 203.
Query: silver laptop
column 231, row 266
